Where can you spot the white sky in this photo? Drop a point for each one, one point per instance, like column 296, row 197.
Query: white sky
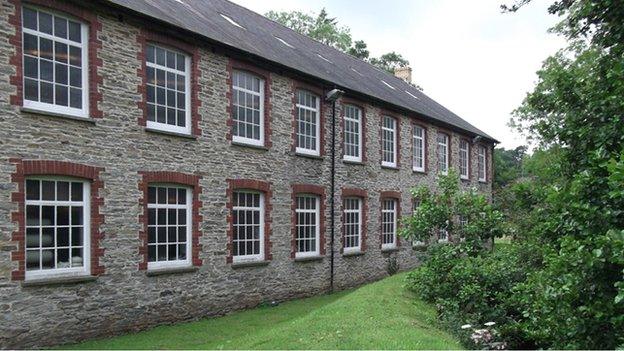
column 467, row 55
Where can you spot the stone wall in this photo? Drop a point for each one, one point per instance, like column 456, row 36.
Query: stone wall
column 123, row 298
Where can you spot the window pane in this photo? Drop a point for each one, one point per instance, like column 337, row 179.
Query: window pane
column 30, row 18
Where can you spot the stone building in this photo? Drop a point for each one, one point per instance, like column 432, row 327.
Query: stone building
column 169, row 160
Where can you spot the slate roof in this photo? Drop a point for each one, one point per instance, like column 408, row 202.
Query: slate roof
column 301, row 53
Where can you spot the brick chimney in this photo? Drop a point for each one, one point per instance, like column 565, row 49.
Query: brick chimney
column 404, row 73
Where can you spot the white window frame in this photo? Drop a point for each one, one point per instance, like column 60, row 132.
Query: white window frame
column 260, row 94
column 422, row 140
column 358, row 121
column 445, row 144
column 84, row 45
column 317, row 229
column 156, row 265
column 464, row 157
column 394, row 141
column 86, row 231
column 393, row 211
column 482, row 163
column 443, row 238
column 260, row 256
column 187, row 93
column 317, row 125
column 359, row 211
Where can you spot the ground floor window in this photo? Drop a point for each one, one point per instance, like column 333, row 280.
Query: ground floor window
column 352, row 224
column 248, row 225
column 169, row 225
column 57, row 226
column 307, row 225
column 388, row 223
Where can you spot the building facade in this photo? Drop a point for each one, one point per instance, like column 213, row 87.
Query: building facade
column 148, row 177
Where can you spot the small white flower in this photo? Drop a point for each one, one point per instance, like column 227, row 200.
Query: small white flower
column 466, row 326
column 489, row 324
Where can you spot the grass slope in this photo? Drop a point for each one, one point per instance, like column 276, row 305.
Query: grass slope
column 381, row 315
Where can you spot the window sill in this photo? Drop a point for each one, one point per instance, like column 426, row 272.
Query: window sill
column 43, row 113
column 353, row 253
column 393, row 168
column 466, row 180
column 309, row 258
column 170, row 270
column 483, row 182
column 356, row 163
column 180, row 135
column 250, row 264
column 389, row 249
column 59, row 280
column 314, row 157
column 416, row 171
column 252, row 146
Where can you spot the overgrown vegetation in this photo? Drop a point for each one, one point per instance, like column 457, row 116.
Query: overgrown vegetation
column 560, row 283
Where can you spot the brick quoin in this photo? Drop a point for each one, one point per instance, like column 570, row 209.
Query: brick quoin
column 348, row 101
column 389, row 194
column 425, row 145
column 234, row 64
column 362, row 194
column 145, row 36
column 249, row 184
column 95, row 45
column 25, row 168
column 300, row 189
column 318, row 91
column 190, row 180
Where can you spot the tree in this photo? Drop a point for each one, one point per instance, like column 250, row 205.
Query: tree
column 326, row 29
column 389, row 62
column 508, row 165
column 359, row 50
column 466, row 214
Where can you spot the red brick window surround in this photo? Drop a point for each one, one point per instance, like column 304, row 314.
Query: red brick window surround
column 94, row 79
column 354, row 218
column 177, row 48
column 390, row 206
column 246, row 229
column 243, row 130
column 390, row 137
column 308, row 108
column 301, row 193
column 350, row 111
column 37, row 168
column 164, row 178
column 420, row 161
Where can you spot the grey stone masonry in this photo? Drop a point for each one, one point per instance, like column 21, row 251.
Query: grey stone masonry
column 124, row 298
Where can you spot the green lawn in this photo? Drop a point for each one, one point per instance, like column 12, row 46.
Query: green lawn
column 381, row 315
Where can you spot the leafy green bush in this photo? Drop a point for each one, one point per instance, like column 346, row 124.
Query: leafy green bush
column 476, row 290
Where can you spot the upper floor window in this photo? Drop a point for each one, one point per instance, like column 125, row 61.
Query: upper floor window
column 464, row 159
column 419, row 149
column 308, row 123
column 388, row 223
column 307, row 212
column 352, row 133
column 168, row 90
column 168, row 226
column 248, row 226
column 247, row 108
column 352, row 224
column 443, row 153
column 57, row 227
column 55, row 63
column 389, row 142
column 482, row 165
